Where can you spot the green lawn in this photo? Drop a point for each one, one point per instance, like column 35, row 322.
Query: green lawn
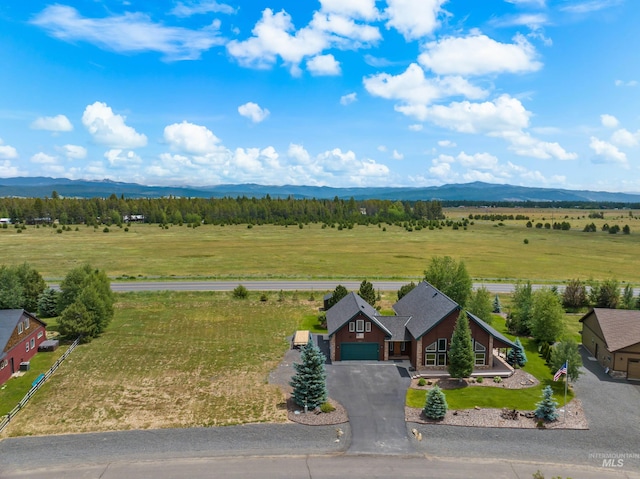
column 12, row 392
column 171, row 359
column 498, row 397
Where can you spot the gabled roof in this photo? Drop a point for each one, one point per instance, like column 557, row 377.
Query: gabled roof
column 620, row 327
column 490, row 330
column 427, row 306
column 397, row 325
column 8, row 321
column 346, row 309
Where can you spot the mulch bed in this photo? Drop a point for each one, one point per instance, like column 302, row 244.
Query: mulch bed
column 312, row 418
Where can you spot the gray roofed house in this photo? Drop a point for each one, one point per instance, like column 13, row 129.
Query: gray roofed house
column 612, row 337
column 420, row 331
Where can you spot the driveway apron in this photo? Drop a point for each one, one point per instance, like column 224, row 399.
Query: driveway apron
column 374, row 396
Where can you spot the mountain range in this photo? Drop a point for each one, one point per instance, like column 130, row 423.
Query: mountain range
column 477, row 191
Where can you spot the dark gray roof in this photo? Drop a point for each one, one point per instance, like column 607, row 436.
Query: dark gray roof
column 490, row 330
column 8, row 321
column 397, row 325
column 348, row 307
column 427, row 306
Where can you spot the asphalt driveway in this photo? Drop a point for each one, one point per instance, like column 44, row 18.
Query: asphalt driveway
column 374, row 396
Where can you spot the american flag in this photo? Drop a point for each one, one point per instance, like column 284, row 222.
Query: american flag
column 560, row 372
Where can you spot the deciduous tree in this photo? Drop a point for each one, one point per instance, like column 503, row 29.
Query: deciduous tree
column 450, row 277
column 480, row 304
column 567, row 350
column 520, row 315
column 547, row 316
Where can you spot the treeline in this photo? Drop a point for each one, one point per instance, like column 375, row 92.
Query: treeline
column 240, row 210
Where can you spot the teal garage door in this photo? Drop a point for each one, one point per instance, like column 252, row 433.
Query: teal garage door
column 359, row 351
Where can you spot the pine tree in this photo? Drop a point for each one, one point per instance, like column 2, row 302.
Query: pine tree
column 516, row 356
column 48, row 303
column 367, row 292
column 497, row 307
column 461, row 351
column 338, row 293
column 435, row 406
column 310, row 381
column 546, row 409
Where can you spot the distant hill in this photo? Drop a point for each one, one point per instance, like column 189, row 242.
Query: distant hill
column 478, row 191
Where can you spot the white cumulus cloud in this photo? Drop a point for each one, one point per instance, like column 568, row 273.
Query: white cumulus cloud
column 396, row 155
column 606, row 152
column 365, row 9
column 609, row 121
column 254, row 112
column 193, row 139
column 479, row 55
column 44, row 159
column 118, row 157
column 413, row 18
column 7, row 152
column 74, row 152
column 52, row 123
column 325, row 65
column 624, row 137
column 110, row 129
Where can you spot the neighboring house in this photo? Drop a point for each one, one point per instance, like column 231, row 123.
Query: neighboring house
column 420, row 331
column 20, row 336
column 612, row 336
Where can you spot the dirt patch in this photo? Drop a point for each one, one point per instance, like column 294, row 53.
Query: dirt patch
column 575, row 418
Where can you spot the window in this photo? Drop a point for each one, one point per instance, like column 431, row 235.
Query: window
column 442, row 344
column 26, row 346
column 479, row 347
column 442, row 359
column 40, row 334
column 352, row 327
column 479, row 359
column 359, row 325
column 367, row 326
column 431, row 347
column 26, row 323
column 390, row 347
column 20, row 325
column 33, row 343
column 430, row 359
column 403, row 346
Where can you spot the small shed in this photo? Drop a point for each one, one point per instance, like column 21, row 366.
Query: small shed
column 301, row 338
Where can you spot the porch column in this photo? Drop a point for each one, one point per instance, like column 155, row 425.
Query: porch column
column 491, row 350
column 419, row 353
column 385, row 355
column 332, row 347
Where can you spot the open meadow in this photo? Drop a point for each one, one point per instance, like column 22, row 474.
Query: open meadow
column 171, row 360
column 491, row 250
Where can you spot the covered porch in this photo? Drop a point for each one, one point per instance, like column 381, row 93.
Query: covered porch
column 499, row 367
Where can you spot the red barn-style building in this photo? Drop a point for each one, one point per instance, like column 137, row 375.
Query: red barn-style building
column 20, row 336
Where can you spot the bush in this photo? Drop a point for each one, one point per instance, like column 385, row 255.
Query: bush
column 263, row 298
column 497, row 379
column 436, row 404
column 327, row 407
column 479, row 380
column 526, row 241
column 422, row 382
column 240, row 292
column 105, row 230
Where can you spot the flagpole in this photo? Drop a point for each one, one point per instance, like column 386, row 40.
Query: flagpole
column 566, row 383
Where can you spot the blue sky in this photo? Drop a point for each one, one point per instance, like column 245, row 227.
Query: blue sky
column 334, row 92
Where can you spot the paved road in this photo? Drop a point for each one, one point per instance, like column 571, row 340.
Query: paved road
column 281, row 285
column 314, row 467
column 374, row 396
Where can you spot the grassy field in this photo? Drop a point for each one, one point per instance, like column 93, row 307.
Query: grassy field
column 521, row 399
column 171, row 360
column 490, row 251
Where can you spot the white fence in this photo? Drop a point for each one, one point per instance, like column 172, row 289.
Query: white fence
column 6, row 419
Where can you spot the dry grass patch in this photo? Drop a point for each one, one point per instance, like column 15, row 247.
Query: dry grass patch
column 171, row 359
